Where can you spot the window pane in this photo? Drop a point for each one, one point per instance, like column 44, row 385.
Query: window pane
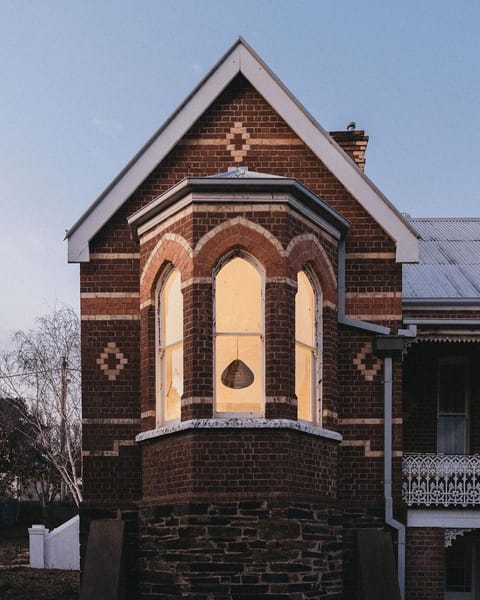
column 172, row 310
column 238, row 297
column 303, row 382
column 173, row 361
column 305, row 311
column 247, row 399
column 452, row 388
column 451, row 434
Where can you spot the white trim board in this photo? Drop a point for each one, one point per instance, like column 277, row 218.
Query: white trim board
column 241, row 58
column 444, row 518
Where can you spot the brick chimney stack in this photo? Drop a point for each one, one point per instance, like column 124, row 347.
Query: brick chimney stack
column 354, row 142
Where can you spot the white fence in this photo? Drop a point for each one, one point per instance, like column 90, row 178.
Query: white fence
column 441, row 479
column 57, row 549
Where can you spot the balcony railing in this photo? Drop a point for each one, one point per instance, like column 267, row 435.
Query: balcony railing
column 441, row 479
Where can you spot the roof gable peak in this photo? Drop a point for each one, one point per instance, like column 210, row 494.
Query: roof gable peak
column 241, row 58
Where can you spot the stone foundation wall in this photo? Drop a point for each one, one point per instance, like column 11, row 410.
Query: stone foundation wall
column 240, row 550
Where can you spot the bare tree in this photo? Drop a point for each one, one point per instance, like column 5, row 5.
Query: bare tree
column 42, row 367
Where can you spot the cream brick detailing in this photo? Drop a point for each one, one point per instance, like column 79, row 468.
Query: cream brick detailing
column 329, row 304
column 174, row 237
column 369, row 255
column 167, row 223
column 191, row 400
column 366, row 446
column 368, row 421
column 252, row 142
column 360, row 362
column 112, row 368
column 115, row 255
column 237, row 141
column 353, row 295
column 238, row 221
column 114, row 452
column 283, row 280
column 310, row 237
column 109, row 295
column 327, row 413
column 397, row 454
column 146, row 303
column 110, row 421
column 193, row 280
column 281, row 400
column 110, row 317
column 147, row 413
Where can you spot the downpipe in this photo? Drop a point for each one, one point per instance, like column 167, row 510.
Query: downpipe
column 389, row 519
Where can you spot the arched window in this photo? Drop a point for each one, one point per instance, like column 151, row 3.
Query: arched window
column 307, row 327
column 239, row 355
column 170, row 348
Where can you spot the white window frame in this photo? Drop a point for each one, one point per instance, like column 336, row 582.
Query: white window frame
column 317, row 351
column 221, row 263
column 160, row 367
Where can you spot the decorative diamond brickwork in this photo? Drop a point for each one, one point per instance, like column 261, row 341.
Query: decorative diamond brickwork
column 111, row 361
column 366, row 363
column 237, row 142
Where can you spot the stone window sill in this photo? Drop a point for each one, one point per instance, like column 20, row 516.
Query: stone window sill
column 237, row 423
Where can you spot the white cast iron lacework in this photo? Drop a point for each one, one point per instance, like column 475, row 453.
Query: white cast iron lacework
column 452, row 534
column 441, row 479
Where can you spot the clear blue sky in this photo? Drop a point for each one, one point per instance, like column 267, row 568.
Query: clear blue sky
column 84, row 84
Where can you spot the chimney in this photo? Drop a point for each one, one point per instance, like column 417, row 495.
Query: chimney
column 354, row 142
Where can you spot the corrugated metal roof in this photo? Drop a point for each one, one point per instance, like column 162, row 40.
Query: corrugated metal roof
column 449, row 260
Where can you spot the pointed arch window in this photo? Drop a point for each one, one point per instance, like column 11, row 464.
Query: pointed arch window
column 307, row 363
column 239, row 347
column 170, row 348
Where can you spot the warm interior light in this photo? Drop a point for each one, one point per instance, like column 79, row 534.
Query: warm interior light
column 304, row 346
column 238, row 341
column 171, row 346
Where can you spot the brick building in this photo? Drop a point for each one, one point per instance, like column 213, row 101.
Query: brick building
column 244, row 347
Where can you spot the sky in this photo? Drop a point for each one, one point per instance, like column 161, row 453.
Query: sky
column 84, row 84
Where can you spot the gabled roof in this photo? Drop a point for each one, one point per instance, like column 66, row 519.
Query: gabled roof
column 241, row 58
column 449, row 262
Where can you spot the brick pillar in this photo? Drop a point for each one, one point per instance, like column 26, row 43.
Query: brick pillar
column 425, row 562
column 329, row 368
column 197, row 399
column 147, row 366
column 281, row 401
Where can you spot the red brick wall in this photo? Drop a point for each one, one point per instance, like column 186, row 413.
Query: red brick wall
column 238, row 463
column 425, row 564
column 111, row 298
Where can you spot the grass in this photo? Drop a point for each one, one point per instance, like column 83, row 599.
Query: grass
column 39, row 584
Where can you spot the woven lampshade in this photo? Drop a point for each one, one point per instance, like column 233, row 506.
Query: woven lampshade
column 237, row 375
